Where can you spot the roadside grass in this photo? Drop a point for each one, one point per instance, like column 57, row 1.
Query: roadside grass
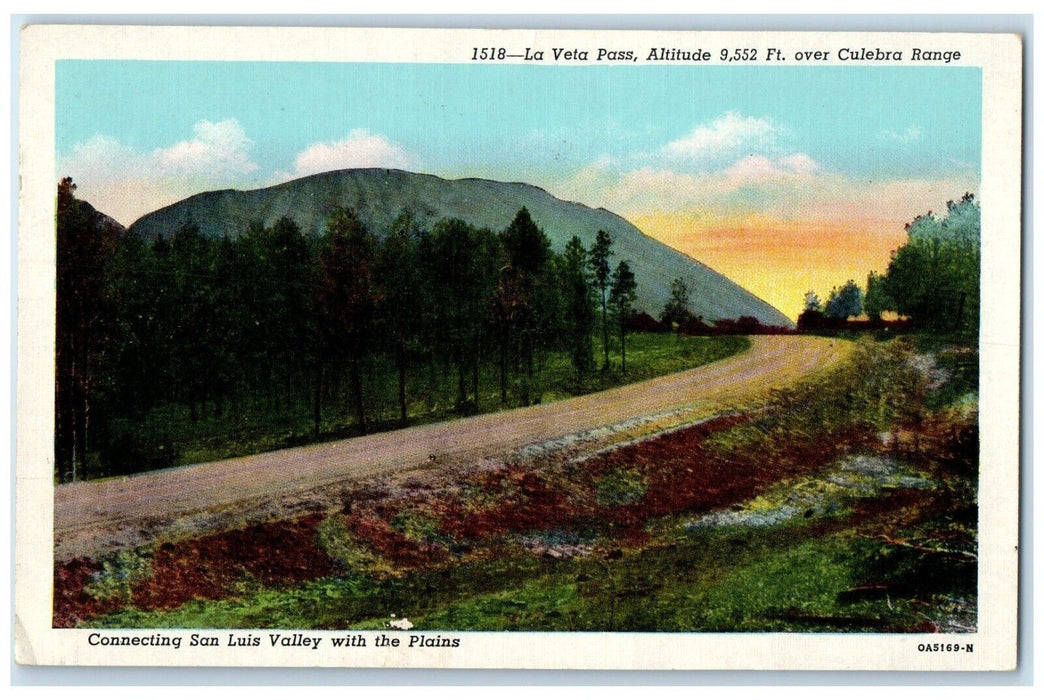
column 734, row 579
column 168, row 436
column 622, row 552
column 649, row 355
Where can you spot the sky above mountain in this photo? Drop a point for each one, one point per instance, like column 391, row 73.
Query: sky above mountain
column 784, row 179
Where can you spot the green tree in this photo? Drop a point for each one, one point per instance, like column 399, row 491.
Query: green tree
column 84, row 322
column 934, row 277
column 876, row 300
column 601, row 251
column 138, row 379
column 347, row 301
column 272, row 274
column 402, row 299
column 622, row 298
column 528, row 252
column 294, row 270
column 845, row 301
column 676, row 309
column 461, row 272
column 579, row 307
column 508, row 307
column 194, row 331
column 528, row 248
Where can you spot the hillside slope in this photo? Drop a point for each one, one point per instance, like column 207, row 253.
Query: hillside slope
column 380, row 195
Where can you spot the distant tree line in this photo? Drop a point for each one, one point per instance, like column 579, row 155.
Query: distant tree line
column 274, row 320
column 932, row 280
column 677, row 317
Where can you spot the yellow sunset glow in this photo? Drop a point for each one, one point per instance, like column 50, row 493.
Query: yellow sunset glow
column 779, row 261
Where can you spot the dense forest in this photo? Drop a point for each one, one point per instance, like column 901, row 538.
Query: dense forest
column 278, row 333
column 274, row 322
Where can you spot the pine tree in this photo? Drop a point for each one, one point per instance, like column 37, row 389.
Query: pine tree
column 401, row 298
column 84, row 323
column 676, row 309
column 347, row 300
column 528, row 251
column 601, row 251
column 622, row 298
column 579, row 307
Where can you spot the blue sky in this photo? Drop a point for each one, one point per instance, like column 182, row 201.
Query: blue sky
column 686, row 152
column 450, row 115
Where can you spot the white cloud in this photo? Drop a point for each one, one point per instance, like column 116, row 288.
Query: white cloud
column 220, row 148
column 753, row 168
column 792, row 187
column 799, row 163
column 739, row 166
column 102, row 158
column 732, row 162
column 645, row 190
column 726, row 136
column 908, row 135
column 362, row 149
column 759, row 169
column 125, row 183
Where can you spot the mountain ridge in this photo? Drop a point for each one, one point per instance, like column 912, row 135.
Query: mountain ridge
column 379, row 195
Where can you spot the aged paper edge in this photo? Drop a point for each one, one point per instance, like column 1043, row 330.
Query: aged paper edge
column 1000, row 58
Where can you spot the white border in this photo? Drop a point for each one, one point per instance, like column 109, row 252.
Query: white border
column 1000, row 59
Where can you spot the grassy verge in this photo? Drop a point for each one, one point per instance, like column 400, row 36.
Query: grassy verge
column 787, row 578
column 168, row 436
column 845, row 504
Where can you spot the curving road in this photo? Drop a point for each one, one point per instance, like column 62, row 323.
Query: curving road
column 83, row 510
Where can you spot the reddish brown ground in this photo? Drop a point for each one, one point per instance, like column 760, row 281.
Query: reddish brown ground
column 207, row 567
column 681, row 472
column 71, row 602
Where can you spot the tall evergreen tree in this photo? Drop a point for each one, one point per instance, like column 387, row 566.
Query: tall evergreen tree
column 528, row 251
column 601, row 251
column 461, row 267
column 579, row 307
column 294, row 270
column 622, row 298
column 347, row 300
column 84, row 321
column 138, row 379
column 676, row 309
column 508, row 307
column 528, row 248
column 194, row 324
column 401, row 298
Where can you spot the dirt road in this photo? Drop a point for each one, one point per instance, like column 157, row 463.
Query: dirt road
column 87, row 515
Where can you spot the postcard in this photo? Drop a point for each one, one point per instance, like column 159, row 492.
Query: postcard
column 518, row 349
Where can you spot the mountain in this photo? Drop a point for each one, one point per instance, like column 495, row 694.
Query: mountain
column 379, row 196
column 99, row 221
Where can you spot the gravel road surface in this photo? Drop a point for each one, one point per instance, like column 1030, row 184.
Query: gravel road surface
column 86, row 513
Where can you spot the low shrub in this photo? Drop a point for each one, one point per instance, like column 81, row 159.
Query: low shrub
column 119, row 573
column 620, row 487
column 336, row 539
